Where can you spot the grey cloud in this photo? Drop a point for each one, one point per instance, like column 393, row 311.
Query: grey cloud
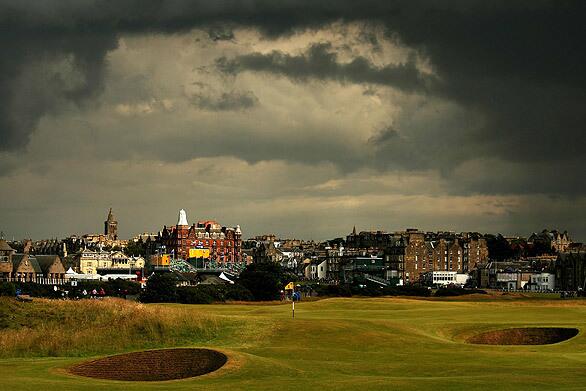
column 34, row 81
column 517, row 67
column 497, row 176
column 370, row 91
column 384, row 135
column 224, row 101
column 221, row 33
column 321, row 62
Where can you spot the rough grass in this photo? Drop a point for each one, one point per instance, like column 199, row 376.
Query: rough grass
column 87, row 327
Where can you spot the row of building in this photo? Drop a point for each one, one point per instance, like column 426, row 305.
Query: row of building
column 29, row 268
column 54, row 269
column 431, row 258
column 403, row 257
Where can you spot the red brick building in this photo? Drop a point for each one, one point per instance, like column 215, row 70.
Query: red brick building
column 207, row 239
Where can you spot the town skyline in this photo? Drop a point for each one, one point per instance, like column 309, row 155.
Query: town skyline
column 127, row 234
column 297, row 117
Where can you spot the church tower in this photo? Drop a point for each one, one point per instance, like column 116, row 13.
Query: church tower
column 111, row 227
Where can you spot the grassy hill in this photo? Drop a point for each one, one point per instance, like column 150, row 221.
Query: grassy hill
column 334, row 344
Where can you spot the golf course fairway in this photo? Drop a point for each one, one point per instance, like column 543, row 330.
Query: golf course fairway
column 331, row 344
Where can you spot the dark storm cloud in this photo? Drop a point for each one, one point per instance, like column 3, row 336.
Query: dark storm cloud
column 384, row 135
column 34, row 79
column 321, row 62
column 232, row 100
column 207, row 99
column 517, row 65
column 221, row 33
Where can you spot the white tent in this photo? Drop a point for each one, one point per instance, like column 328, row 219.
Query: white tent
column 121, row 276
column 222, row 276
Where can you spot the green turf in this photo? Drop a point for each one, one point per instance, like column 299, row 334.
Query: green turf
column 342, row 344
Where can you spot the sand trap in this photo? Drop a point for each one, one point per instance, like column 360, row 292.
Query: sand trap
column 525, row 336
column 153, row 365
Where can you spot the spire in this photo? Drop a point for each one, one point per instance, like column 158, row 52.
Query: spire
column 354, row 231
column 182, row 218
column 110, row 215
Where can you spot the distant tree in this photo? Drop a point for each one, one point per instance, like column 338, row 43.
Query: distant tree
column 499, row 248
column 338, row 242
column 160, row 288
column 136, row 249
column 7, row 289
column 193, row 295
column 541, row 247
column 264, row 280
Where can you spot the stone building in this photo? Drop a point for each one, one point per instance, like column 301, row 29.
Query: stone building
column 475, row 251
column 415, row 258
column 111, row 227
column 570, row 271
column 99, row 262
column 49, row 247
column 6, row 254
column 42, row 269
column 206, row 239
column 554, row 240
column 560, row 241
column 52, row 268
column 415, row 253
column 369, row 239
column 89, row 261
column 266, row 252
column 123, row 261
column 25, row 268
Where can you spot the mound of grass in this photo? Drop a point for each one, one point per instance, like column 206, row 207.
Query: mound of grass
column 87, row 327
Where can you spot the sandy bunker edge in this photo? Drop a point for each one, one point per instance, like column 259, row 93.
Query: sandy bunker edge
column 525, row 336
column 153, row 365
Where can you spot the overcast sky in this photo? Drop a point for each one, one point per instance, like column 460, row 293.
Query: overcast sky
column 301, row 118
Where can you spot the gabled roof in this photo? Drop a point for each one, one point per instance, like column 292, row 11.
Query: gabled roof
column 45, row 262
column 17, row 259
column 4, row 246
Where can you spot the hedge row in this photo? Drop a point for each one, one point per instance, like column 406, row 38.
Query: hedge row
column 116, row 287
column 371, row 290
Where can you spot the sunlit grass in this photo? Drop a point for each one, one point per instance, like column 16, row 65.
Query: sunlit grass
column 86, row 327
column 332, row 344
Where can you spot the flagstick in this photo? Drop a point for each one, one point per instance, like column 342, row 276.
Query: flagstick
column 293, row 308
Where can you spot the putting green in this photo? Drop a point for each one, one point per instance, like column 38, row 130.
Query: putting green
column 363, row 344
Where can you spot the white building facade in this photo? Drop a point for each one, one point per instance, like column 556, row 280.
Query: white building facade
column 542, row 282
